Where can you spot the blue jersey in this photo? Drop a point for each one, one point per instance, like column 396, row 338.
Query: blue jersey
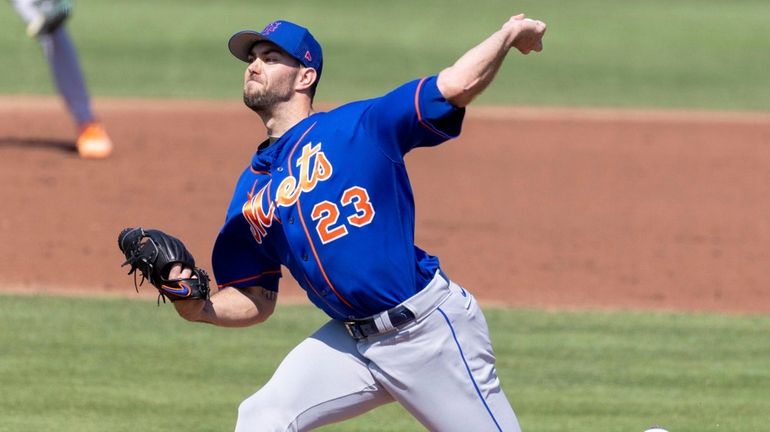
column 331, row 201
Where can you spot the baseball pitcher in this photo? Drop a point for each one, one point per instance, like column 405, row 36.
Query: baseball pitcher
column 327, row 196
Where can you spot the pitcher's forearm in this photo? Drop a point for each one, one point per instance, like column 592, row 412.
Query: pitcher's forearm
column 230, row 307
column 472, row 73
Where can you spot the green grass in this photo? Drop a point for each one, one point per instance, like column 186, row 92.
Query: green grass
column 69, row 364
column 656, row 53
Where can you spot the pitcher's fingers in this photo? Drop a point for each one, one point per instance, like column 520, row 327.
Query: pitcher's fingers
column 179, row 272
column 175, row 272
column 186, row 273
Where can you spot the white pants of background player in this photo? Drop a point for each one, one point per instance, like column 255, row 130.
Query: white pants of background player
column 440, row 367
column 63, row 61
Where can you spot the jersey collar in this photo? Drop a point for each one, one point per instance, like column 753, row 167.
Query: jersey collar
column 268, row 152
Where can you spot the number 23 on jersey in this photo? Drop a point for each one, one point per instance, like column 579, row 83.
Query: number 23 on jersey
column 327, row 214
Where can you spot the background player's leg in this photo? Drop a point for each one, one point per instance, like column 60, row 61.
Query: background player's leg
column 63, row 60
column 442, row 369
column 61, row 55
column 25, row 9
column 323, row 380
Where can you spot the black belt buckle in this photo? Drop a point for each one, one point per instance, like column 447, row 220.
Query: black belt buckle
column 354, row 330
column 361, row 329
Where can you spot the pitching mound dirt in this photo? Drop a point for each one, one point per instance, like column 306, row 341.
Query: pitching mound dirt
column 530, row 207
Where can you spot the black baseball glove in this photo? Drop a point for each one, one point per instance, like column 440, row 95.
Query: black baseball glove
column 154, row 252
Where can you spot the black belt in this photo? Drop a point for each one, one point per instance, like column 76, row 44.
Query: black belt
column 360, row 329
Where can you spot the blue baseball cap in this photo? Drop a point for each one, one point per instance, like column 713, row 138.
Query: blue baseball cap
column 292, row 38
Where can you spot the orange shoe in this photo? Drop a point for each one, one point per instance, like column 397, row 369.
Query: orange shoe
column 93, row 142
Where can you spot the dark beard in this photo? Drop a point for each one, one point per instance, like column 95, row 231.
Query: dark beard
column 264, row 101
column 260, row 102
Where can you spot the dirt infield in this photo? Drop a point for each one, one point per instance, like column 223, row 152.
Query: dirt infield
column 530, row 207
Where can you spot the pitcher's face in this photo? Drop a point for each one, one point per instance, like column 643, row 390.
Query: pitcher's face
column 270, row 77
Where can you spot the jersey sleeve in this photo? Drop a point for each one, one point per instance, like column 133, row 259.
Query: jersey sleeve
column 238, row 263
column 413, row 115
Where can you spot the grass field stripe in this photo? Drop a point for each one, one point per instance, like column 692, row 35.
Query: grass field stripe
column 467, row 368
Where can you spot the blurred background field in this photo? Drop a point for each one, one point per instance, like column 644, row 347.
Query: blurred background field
column 123, row 365
column 653, row 53
column 94, row 364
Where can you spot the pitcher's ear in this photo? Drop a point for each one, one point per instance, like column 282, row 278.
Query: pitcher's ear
column 306, row 78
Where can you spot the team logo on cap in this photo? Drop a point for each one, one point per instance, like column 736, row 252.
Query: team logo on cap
column 308, row 57
column 273, row 26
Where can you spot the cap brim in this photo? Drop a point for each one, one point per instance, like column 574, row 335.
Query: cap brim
column 240, row 43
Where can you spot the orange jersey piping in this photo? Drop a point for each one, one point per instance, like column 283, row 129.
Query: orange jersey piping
column 419, row 114
column 307, row 233
column 250, row 278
